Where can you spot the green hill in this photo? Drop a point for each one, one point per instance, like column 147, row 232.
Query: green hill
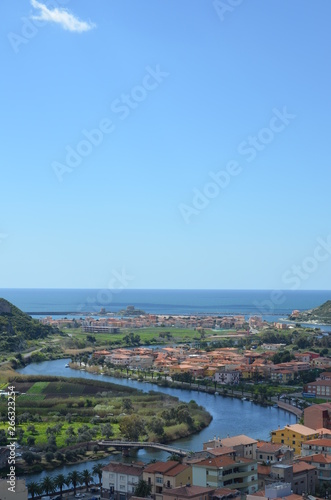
column 16, row 328
column 320, row 314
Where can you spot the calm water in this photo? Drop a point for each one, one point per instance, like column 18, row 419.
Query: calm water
column 230, row 416
column 165, row 301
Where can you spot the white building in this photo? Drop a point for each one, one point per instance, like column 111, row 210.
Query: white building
column 119, row 481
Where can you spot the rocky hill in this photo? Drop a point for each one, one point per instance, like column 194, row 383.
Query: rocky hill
column 17, row 328
column 320, row 314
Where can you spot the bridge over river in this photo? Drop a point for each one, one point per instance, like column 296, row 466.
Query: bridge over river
column 136, row 444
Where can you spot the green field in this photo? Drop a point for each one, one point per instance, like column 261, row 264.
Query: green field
column 55, row 413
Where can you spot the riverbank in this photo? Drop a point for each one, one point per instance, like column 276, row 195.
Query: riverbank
column 215, row 389
column 292, row 409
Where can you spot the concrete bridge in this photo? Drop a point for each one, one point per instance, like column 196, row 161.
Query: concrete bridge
column 136, row 444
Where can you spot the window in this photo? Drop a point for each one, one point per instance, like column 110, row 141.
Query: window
column 293, row 442
column 122, row 478
column 159, row 480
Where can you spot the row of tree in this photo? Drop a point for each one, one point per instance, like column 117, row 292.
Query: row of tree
column 51, row 485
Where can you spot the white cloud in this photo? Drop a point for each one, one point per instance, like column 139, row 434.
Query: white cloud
column 61, row 16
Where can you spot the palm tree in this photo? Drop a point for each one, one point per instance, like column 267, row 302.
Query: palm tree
column 59, row 482
column 86, row 477
column 74, row 478
column 47, row 485
column 97, row 470
column 34, row 489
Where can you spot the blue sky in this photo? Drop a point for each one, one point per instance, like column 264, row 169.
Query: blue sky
column 118, row 116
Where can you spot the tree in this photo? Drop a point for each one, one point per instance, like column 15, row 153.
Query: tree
column 74, row 478
column 59, row 482
column 132, row 427
column 49, row 456
column 97, row 470
column 86, row 478
column 28, row 457
column 34, row 489
column 127, row 405
column 107, row 430
column 30, row 440
column 47, row 485
column 156, row 426
column 143, row 489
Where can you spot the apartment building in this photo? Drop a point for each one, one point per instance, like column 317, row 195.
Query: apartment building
column 321, row 388
column 293, row 436
column 270, row 453
column 244, row 446
column 163, row 475
column 119, row 481
column 321, row 445
column 226, row 472
column 318, row 416
column 301, row 476
column 227, row 377
column 322, row 462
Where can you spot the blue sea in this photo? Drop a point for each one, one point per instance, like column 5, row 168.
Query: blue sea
column 267, row 303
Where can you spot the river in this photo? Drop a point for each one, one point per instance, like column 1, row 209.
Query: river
column 231, row 416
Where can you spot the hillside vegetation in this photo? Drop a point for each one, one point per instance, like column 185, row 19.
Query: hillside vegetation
column 17, row 328
column 320, row 314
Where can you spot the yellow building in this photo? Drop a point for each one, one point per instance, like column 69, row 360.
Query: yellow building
column 293, row 436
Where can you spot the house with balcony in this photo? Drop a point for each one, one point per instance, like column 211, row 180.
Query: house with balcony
column 119, row 481
column 226, row 472
column 166, row 475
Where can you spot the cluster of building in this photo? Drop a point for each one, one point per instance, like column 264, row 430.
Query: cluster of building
column 103, row 323
column 292, row 465
column 224, row 365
